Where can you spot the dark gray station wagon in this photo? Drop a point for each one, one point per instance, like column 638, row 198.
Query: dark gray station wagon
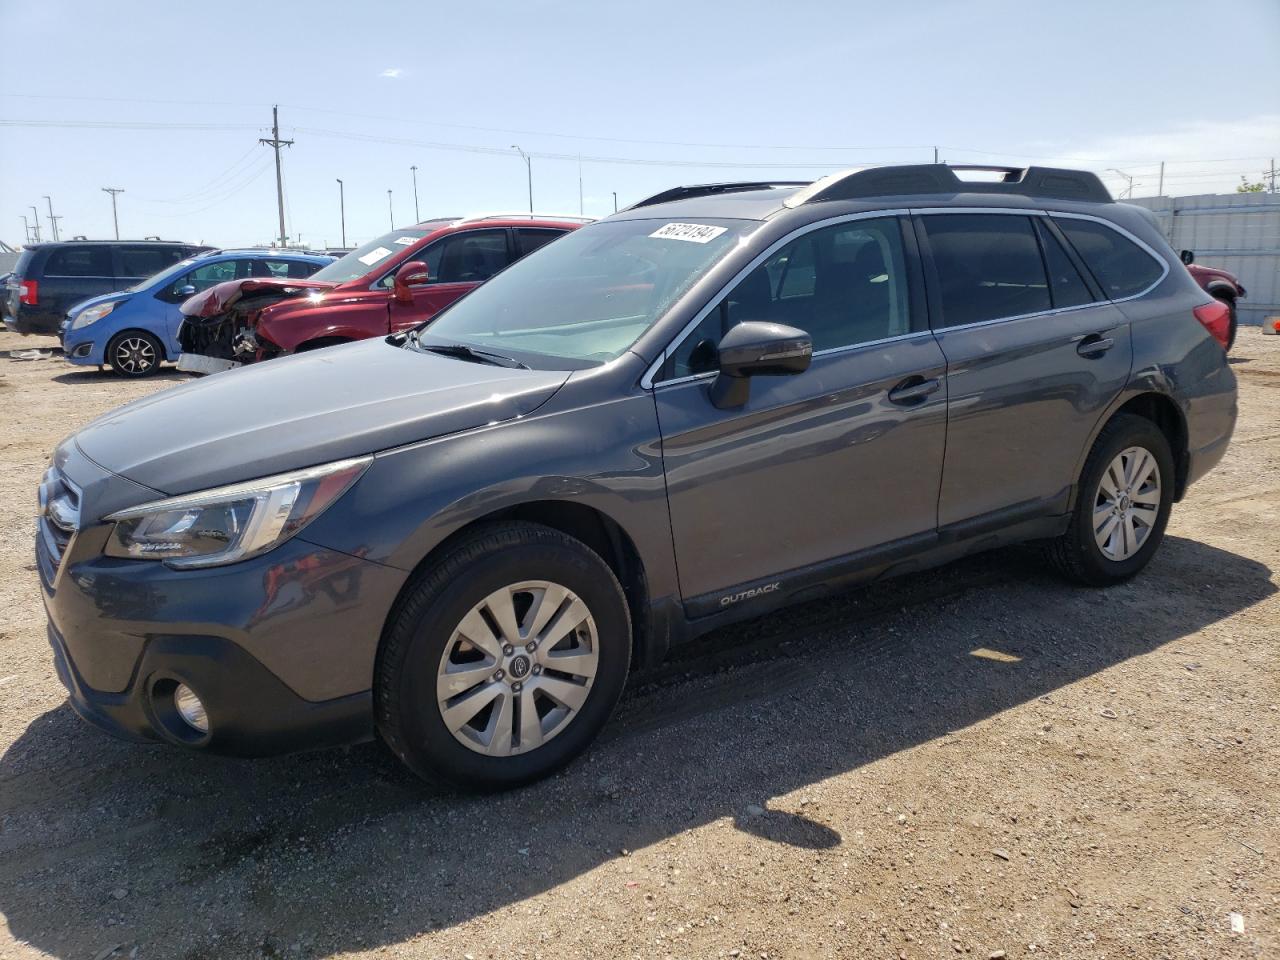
column 707, row 406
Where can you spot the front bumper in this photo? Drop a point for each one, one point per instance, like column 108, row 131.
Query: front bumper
column 280, row 647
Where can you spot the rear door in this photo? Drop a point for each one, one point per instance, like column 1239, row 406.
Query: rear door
column 817, row 466
column 1034, row 356
column 73, row 273
column 456, row 265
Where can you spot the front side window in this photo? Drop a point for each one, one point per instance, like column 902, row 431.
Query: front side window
column 1120, row 266
column 988, row 265
column 79, row 262
column 843, row 285
column 587, row 297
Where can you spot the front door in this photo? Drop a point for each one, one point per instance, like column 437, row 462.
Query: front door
column 1034, row 355
column 819, row 465
column 456, row 265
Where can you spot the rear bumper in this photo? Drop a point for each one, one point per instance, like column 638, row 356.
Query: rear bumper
column 29, row 322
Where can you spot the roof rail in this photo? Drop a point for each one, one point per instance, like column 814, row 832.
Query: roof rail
column 709, row 189
column 524, row 216
column 927, row 178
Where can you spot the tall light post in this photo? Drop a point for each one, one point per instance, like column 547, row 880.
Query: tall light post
column 1129, row 189
column 528, row 162
column 114, row 219
column 615, row 201
column 342, row 209
column 390, row 212
column 53, row 221
column 417, row 217
column 26, row 227
column 36, row 222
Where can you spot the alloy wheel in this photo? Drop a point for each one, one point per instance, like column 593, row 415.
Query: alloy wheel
column 134, row 355
column 1127, row 503
column 518, row 668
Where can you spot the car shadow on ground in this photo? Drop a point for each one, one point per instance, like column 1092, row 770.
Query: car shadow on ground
column 94, row 375
column 186, row 856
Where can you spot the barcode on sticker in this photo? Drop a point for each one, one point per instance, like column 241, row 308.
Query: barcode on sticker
column 692, row 232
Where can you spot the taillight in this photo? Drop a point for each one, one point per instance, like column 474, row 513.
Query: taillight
column 29, row 292
column 1216, row 318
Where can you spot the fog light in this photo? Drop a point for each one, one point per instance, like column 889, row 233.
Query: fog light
column 191, row 708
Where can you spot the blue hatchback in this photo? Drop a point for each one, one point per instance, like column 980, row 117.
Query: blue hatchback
column 135, row 330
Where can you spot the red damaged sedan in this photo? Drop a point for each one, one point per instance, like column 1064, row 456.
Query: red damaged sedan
column 387, row 285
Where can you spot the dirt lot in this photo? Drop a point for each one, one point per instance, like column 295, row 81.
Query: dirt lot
column 978, row 761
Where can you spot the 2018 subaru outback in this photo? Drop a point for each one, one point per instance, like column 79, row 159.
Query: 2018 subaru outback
column 719, row 400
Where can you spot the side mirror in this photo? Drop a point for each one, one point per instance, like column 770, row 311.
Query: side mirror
column 186, row 290
column 756, row 349
column 1187, row 256
column 412, row 273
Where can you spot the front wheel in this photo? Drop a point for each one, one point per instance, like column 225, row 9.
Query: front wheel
column 134, row 353
column 1122, row 505
column 504, row 660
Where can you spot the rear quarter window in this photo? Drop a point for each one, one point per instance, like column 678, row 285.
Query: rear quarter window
column 1121, row 267
column 79, row 262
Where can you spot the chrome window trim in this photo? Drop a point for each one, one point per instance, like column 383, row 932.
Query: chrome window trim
column 647, row 381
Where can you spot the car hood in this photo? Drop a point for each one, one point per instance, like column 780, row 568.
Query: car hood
column 303, row 410
column 219, row 297
column 120, row 296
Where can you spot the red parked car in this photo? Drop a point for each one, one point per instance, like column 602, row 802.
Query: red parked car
column 1218, row 283
column 387, row 285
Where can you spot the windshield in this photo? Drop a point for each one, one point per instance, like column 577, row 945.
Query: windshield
column 361, row 260
column 592, row 293
column 164, row 276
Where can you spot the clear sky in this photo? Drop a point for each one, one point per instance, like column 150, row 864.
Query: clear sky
column 167, row 99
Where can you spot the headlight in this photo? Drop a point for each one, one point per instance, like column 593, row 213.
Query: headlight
column 231, row 523
column 92, row 314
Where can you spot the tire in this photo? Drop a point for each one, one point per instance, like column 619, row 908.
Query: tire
column 424, row 642
column 134, row 353
column 1077, row 554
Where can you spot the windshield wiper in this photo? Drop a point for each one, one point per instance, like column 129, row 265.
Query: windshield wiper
column 463, row 352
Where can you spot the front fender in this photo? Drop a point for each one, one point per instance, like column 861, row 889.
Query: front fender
column 296, row 322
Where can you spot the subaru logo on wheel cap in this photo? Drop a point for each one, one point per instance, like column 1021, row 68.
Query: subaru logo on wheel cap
column 519, row 667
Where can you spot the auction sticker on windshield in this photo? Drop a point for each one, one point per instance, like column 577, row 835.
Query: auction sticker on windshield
column 373, row 256
column 407, row 241
column 692, row 232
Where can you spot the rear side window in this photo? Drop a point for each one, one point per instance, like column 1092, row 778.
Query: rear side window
column 146, row 261
column 989, row 267
column 471, row 257
column 531, row 240
column 1066, row 286
column 79, row 262
column 286, row 269
column 1120, row 266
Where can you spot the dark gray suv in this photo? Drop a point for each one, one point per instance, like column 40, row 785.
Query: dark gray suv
column 716, row 402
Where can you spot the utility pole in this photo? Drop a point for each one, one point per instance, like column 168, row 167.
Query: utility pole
column 36, row 221
column 579, row 184
column 53, row 221
column 417, row 218
column 275, row 143
column 390, row 212
column 114, row 219
column 1272, row 176
column 528, row 162
column 1160, row 189
column 342, row 209
column 935, row 154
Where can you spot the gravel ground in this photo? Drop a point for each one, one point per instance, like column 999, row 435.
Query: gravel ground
column 976, row 761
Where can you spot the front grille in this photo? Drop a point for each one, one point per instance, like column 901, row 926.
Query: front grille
column 59, row 514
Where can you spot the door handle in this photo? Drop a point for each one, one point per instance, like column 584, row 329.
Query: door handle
column 1094, row 345
column 912, row 390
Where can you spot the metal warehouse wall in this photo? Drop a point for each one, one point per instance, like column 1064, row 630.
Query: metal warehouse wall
column 1239, row 232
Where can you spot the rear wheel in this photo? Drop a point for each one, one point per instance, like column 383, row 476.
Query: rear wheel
column 134, row 353
column 1122, row 504
column 504, row 660
column 1231, row 332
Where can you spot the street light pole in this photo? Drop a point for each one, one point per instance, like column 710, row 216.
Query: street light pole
column 1129, row 189
column 342, row 210
column 36, row 222
column 26, row 227
column 53, row 221
column 114, row 219
column 417, row 217
column 528, row 162
column 615, row 201
column 390, row 212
